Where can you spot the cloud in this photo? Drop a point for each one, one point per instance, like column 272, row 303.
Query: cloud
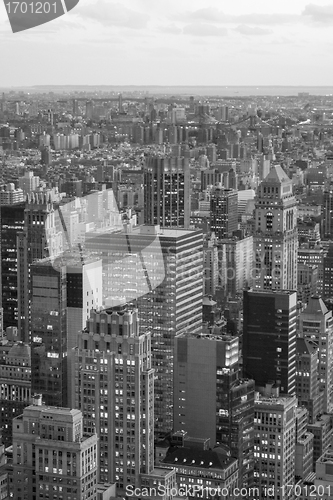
column 252, row 31
column 204, row 29
column 170, row 29
column 319, row 13
column 113, row 14
column 212, row 14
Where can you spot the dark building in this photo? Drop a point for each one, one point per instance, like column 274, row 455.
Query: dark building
column 269, row 338
column 328, row 274
column 211, row 400
column 49, row 332
column 327, row 214
column 224, row 212
column 167, row 191
column 11, row 222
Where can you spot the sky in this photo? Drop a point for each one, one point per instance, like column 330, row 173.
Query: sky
column 174, row 42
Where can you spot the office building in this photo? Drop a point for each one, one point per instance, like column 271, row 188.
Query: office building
column 269, row 338
column 29, row 182
column 52, row 456
column 328, row 273
column 160, row 271
column 113, row 385
column 11, row 222
column 327, row 214
column 15, row 384
column 211, row 400
column 316, row 324
column 275, row 238
column 308, row 390
column 304, row 445
column 10, row 195
column 223, row 212
column 322, row 430
column 173, row 307
column 167, row 192
column 49, row 332
column 274, row 445
column 235, row 265
column 39, row 239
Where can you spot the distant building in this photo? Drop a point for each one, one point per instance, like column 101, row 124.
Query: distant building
column 167, row 191
column 224, row 212
column 9, row 195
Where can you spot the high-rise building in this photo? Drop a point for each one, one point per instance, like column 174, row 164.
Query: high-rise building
column 327, row 214
column 52, row 456
column 211, row 400
column 223, row 212
column 10, row 195
column 175, row 306
column 235, row 264
column 167, row 191
column 316, row 324
column 113, row 385
column 161, row 271
column 15, row 384
column 49, row 332
column 38, row 240
column 307, row 377
column 328, row 274
column 11, row 222
column 276, row 239
column 269, row 338
column 274, row 445
column 29, row 182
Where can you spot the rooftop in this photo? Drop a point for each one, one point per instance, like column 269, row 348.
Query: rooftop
column 217, row 458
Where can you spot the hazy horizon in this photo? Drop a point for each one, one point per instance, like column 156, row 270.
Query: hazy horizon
column 143, row 42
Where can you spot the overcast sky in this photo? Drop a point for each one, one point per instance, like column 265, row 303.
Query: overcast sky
column 174, row 42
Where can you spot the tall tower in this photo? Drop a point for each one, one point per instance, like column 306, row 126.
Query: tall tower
column 11, row 222
column 210, row 398
column 113, row 385
column 224, row 212
column 316, row 324
column 269, row 338
column 167, row 191
column 275, row 238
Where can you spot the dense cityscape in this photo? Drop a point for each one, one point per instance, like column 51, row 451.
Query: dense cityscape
column 166, row 294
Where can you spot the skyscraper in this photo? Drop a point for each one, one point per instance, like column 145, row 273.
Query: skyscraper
column 113, row 385
column 316, row 324
column 210, row 398
column 327, row 214
column 269, row 338
column 274, row 446
column 161, row 272
column 275, row 236
column 11, row 222
column 52, row 456
column 173, row 307
column 167, row 191
column 224, row 212
column 328, row 273
column 49, row 332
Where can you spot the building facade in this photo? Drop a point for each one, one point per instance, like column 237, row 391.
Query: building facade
column 269, row 338
column 275, row 238
column 52, row 456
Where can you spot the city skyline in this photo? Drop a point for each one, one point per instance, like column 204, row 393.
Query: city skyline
column 257, row 43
